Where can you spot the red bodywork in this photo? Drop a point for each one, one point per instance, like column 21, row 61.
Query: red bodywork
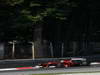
column 62, row 63
column 69, row 63
column 49, row 64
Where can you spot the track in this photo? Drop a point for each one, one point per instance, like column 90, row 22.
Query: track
column 53, row 70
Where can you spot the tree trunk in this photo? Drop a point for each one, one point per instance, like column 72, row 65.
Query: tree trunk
column 38, row 42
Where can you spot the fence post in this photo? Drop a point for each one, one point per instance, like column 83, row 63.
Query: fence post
column 62, row 49
column 51, row 49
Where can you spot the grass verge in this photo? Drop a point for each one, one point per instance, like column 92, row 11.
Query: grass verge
column 66, row 73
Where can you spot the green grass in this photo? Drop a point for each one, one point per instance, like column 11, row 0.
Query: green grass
column 66, row 73
column 44, row 74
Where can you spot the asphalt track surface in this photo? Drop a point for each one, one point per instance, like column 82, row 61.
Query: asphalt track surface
column 53, row 70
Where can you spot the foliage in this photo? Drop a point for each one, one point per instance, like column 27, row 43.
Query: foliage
column 18, row 17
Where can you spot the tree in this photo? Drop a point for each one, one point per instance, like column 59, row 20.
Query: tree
column 24, row 20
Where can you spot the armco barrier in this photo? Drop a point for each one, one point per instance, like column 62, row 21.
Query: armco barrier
column 31, row 62
column 24, row 62
column 15, row 63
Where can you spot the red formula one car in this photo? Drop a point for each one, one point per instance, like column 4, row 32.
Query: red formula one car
column 50, row 64
column 73, row 62
column 64, row 63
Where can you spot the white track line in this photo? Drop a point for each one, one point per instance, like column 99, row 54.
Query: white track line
column 8, row 69
column 95, row 63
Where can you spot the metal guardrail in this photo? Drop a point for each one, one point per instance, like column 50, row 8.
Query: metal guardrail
column 31, row 62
